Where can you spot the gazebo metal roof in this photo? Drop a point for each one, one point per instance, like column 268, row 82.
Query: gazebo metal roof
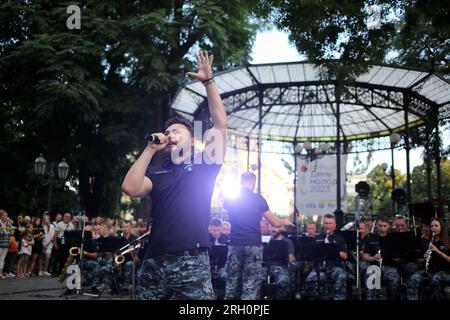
column 296, row 104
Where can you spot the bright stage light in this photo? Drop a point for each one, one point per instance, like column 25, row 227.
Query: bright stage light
column 230, row 188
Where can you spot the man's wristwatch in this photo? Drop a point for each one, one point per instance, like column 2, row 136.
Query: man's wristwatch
column 207, row 82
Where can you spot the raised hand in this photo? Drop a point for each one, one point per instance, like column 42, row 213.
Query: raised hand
column 204, row 63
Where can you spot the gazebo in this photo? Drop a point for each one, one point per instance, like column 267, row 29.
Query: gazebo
column 293, row 103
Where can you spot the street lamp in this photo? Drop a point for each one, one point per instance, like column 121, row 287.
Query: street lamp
column 46, row 174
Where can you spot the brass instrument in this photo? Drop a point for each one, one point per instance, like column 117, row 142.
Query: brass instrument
column 120, row 258
column 130, row 247
column 73, row 252
column 428, row 253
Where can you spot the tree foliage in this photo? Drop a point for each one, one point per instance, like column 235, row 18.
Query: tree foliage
column 89, row 95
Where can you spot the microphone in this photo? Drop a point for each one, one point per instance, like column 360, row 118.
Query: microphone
column 152, row 138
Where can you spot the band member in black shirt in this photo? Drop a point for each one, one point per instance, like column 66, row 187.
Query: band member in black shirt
column 333, row 269
column 246, row 251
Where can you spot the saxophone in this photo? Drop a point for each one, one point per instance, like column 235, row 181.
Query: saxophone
column 73, row 252
column 428, row 253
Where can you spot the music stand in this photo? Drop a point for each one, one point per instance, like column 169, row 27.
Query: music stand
column 111, row 245
column 349, row 237
column 276, row 252
column 402, row 245
column 320, row 253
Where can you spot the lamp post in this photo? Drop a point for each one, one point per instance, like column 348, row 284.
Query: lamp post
column 47, row 176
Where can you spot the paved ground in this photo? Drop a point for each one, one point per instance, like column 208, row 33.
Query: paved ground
column 45, row 288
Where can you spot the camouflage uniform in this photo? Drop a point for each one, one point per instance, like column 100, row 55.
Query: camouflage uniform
column 244, row 272
column 89, row 266
column 219, row 280
column 434, row 284
column 391, row 278
column 279, row 275
column 102, row 273
column 408, row 269
column 127, row 270
column 337, row 274
column 175, row 277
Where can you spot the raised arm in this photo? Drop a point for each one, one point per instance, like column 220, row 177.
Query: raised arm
column 275, row 221
column 215, row 103
column 136, row 184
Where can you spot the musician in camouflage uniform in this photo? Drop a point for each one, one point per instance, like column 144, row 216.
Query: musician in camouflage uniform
column 437, row 275
column 374, row 255
column 278, row 255
column 332, row 270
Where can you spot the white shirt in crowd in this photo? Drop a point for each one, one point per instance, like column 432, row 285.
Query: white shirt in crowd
column 25, row 248
column 49, row 233
column 61, row 227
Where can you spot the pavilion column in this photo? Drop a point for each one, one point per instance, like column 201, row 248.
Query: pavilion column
column 406, row 101
column 437, row 155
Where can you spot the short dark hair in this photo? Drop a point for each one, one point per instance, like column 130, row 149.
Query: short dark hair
column 181, row 121
column 216, row 222
column 126, row 221
column 383, row 219
column 329, row 216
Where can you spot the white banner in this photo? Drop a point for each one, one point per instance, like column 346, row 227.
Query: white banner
column 316, row 185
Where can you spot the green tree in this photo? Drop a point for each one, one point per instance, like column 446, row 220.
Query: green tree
column 335, row 33
column 90, row 94
column 414, row 33
column 419, row 185
column 381, row 188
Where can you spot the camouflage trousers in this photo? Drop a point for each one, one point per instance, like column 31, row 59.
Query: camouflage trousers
column 336, row 274
column 127, row 271
column 279, row 276
column 219, row 280
column 390, row 277
column 433, row 283
column 408, row 269
column 96, row 272
column 244, row 272
column 186, row 277
column 351, row 267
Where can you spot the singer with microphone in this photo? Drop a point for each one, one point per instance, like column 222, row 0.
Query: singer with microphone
column 176, row 262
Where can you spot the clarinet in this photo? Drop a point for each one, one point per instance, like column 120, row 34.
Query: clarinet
column 428, row 253
column 381, row 260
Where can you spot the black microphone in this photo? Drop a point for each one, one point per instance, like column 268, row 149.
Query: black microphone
column 152, row 138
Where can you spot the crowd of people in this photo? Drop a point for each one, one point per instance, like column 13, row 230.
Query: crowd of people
column 35, row 246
